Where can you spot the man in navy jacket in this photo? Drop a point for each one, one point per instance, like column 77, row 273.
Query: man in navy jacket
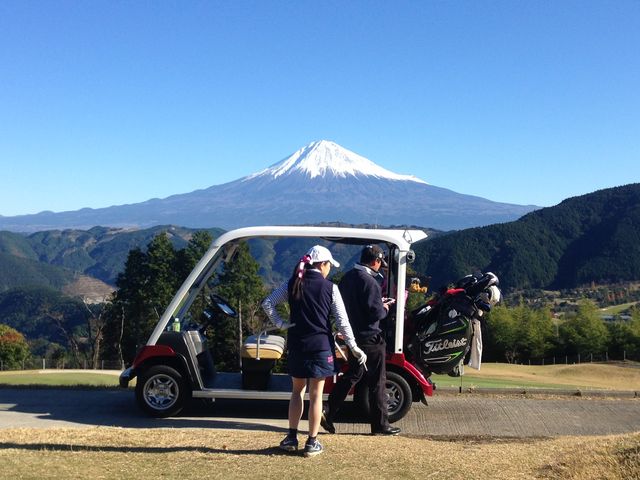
column 363, row 301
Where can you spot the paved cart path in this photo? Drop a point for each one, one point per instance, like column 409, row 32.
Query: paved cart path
column 446, row 415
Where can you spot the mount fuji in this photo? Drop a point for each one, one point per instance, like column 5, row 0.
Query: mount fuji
column 322, row 182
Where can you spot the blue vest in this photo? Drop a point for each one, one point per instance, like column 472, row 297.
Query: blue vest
column 312, row 331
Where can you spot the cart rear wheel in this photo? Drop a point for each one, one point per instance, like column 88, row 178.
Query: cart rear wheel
column 399, row 397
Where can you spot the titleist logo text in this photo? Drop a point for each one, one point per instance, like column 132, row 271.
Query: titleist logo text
column 437, row 345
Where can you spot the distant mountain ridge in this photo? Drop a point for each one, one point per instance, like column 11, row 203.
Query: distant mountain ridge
column 322, row 182
column 591, row 238
column 585, row 239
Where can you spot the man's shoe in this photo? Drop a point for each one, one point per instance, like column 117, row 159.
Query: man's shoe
column 312, row 448
column 387, row 431
column 326, row 423
column 289, row 444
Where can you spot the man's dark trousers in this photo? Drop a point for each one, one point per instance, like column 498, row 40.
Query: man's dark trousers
column 375, row 377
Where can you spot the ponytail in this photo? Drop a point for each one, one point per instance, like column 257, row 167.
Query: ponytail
column 295, row 284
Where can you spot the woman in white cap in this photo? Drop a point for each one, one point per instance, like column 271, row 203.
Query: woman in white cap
column 310, row 348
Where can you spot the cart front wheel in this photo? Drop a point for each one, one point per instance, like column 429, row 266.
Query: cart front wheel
column 161, row 391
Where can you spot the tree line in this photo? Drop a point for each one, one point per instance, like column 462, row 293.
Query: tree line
column 523, row 334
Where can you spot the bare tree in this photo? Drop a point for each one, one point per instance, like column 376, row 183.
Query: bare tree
column 72, row 341
column 95, row 333
column 120, row 355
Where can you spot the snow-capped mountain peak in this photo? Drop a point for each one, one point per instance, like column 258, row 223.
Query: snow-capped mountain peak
column 321, row 182
column 324, row 158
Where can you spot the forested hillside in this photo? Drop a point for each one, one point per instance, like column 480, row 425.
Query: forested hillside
column 41, row 313
column 54, row 258
column 17, row 272
column 591, row 238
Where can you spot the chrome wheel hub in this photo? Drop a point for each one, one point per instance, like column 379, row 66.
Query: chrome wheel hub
column 161, row 392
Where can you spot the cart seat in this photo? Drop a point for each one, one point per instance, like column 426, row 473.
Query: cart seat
column 269, row 347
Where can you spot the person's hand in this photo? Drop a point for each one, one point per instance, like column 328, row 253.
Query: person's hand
column 361, row 357
column 387, row 302
column 286, row 325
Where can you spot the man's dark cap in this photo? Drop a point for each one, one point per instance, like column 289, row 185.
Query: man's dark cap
column 370, row 253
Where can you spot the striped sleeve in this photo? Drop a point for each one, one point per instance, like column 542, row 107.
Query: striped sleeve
column 278, row 296
column 342, row 320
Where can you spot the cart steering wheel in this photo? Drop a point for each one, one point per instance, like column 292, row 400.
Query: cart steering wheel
column 222, row 305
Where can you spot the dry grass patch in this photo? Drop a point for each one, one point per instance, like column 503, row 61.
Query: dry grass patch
column 119, row 453
column 604, row 458
column 611, row 376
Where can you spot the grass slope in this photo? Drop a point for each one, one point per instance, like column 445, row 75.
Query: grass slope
column 584, row 376
column 123, row 453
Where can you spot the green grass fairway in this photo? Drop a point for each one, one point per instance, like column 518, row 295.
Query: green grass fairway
column 56, row 378
column 623, row 376
column 478, row 381
column 617, row 309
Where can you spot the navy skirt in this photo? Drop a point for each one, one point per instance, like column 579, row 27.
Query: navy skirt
column 311, row 364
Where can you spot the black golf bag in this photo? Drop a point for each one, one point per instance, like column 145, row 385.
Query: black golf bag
column 442, row 328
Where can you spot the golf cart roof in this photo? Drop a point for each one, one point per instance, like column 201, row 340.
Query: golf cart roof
column 402, row 238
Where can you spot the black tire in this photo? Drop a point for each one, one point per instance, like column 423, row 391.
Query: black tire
column 399, row 397
column 161, row 391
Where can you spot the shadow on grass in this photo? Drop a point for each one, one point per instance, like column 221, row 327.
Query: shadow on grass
column 56, row 447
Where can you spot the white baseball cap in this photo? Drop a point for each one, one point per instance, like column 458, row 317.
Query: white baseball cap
column 318, row 253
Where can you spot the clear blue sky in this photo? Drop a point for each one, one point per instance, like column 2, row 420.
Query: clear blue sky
column 112, row 102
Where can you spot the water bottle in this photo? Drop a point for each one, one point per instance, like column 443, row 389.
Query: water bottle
column 176, row 324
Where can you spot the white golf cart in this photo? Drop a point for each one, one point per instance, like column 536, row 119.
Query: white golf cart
column 176, row 365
